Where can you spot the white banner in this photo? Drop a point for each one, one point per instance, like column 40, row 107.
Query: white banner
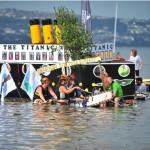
column 31, row 81
column 23, row 53
column 7, row 83
column 104, row 50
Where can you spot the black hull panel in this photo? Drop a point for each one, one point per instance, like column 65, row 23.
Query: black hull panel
column 84, row 76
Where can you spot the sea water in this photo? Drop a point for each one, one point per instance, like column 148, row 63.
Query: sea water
column 24, row 126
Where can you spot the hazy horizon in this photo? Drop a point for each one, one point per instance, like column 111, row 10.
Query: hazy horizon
column 126, row 9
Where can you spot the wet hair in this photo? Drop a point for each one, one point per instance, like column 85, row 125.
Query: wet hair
column 72, row 76
column 63, row 77
column 44, row 80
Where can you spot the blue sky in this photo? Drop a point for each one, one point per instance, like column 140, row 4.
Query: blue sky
column 126, row 9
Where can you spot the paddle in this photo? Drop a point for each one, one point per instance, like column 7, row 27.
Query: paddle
column 101, row 72
column 122, row 97
column 86, row 91
column 115, row 103
column 127, row 96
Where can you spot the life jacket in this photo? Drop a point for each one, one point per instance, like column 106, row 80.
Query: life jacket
column 62, row 95
column 46, row 94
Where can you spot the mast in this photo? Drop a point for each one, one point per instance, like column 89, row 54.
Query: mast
column 115, row 28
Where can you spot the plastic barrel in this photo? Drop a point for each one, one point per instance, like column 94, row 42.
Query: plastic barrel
column 57, row 32
column 47, row 31
column 35, row 31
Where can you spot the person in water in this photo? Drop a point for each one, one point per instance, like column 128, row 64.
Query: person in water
column 103, row 76
column 117, row 92
column 76, row 92
column 140, row 87
column 116, row 89
column 63, row 90
column 44, row 93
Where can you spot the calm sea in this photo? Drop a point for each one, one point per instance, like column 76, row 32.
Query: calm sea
column 24, row 126
column 144, row 53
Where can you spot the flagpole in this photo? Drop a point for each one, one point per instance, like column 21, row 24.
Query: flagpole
column 115, row 28
column 2, row 100
column 19, row 94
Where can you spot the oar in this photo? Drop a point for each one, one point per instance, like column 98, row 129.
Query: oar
column 101, row 72
column 122, row 97
column 127, row 96
column 86, row 91
column 115, row 103
column 133, row 95
column 19, row 94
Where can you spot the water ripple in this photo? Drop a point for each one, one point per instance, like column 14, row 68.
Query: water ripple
column 43, row 127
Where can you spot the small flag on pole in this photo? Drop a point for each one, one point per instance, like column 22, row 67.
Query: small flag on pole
column 86, row 14
column 7, row 83
column 30, row 81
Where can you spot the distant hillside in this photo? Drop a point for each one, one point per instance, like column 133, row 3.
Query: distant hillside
column 14, row 28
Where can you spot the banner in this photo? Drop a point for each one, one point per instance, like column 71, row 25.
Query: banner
column 37, row 53
column 68, row 64
column 7, row 83
column 104, row 50
column 86, row 14
column 50, row 54
column 31, row 80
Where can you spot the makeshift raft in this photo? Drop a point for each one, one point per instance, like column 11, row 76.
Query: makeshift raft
column 92, row 100
column 96, row 99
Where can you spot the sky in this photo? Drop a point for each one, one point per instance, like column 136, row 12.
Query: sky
column 126, row 9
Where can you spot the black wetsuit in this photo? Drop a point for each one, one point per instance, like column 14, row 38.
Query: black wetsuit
column 46, row 94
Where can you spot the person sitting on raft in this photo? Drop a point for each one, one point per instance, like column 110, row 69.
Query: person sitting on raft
column 116, row 90
column 76, row 93
column 140, row 87
column 44, row 93
column 63, row 90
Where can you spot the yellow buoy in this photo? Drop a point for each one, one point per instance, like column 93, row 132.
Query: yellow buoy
column 47, row 31
column 53, row 83
column 86, row 89
column 93, row 84
column 80, row 84
column 35, row 31
column 57, row 32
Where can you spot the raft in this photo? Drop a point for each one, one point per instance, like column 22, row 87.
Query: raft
column 92, row 100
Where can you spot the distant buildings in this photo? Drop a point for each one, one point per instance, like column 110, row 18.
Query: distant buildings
column 14, row 28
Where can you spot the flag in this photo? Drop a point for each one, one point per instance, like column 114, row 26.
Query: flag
column 86, row 14
column 7, row 83
column 31, row 81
